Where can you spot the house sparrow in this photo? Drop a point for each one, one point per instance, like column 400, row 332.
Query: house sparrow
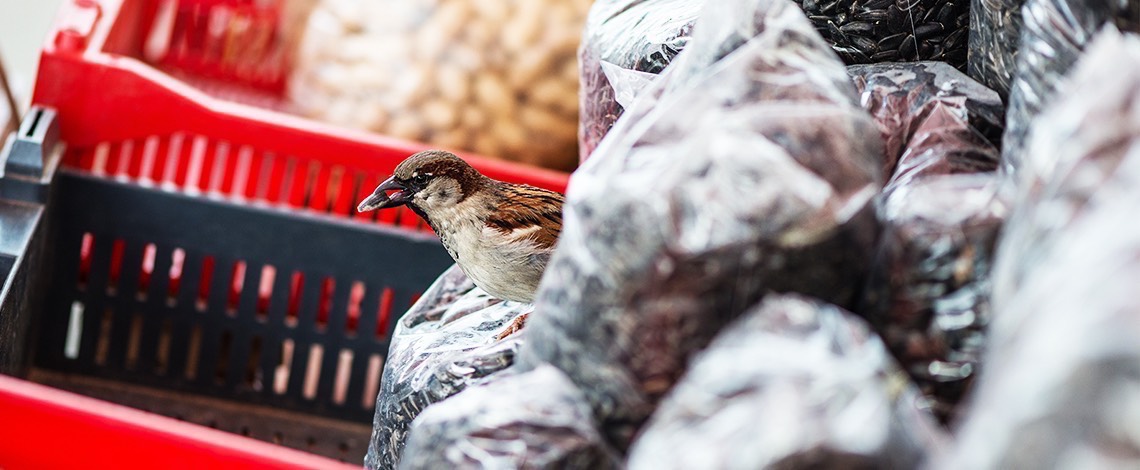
column 500, row 234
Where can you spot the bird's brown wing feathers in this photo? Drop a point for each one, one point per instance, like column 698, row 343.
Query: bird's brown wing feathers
column 523, row 207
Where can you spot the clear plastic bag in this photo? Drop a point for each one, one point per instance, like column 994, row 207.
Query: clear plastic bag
column 497, row 77
column 625, row 44
column 1053, row 35
column 747, row 167
column 943, row 145
column 534, row 420
column 872, row 31
column 453, row 337
column 926, row 109
column 995, row 32
column 1062, row 380
column 929, row 293
column 1074, row 147
column 795, row 383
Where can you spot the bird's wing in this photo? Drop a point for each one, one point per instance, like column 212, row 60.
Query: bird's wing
column 526, row 212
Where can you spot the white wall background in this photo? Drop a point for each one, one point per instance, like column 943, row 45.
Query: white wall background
column 23, row 27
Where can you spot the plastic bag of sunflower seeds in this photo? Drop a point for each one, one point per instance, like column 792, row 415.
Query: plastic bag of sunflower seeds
column 929, row 107
column 871, row 31
column 625, row 44
column 1053, row 35
column 1061, row 387
column 1074, row 149
column 943, row 144
column 795, row 383
column 995, row 32
column 534, row 420
column 454, row 336
column 929, row 293
column 746, row 167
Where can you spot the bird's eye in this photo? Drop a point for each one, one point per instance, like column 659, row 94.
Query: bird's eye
column 420, row 179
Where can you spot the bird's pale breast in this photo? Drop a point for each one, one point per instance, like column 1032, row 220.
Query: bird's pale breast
column 506, row 265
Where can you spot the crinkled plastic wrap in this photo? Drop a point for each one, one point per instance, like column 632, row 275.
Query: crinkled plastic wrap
column 1061, row 385
column 747, row 167
column 1074, row 148
column 447, row 341
column 1054, row 34
column 795, row 383
column 893, row 30
column 995, row 32
column 497, row 77
column 929, row 294
column 626, row 43
column 930, row 110
column 943, row 145
column 534, row 420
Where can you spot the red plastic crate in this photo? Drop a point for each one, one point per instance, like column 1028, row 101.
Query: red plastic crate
column 48, row 428
column 148, row 94
column 186, row 120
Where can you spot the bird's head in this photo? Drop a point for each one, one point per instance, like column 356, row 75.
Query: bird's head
column 427, row 181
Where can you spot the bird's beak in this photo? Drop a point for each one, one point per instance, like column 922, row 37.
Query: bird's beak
column 380, row 198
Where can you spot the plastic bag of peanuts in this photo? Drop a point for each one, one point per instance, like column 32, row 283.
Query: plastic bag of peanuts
column 494, row 77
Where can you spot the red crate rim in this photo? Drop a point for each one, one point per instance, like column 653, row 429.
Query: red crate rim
column 46, row 427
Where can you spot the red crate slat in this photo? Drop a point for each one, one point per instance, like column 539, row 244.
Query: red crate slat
column 98, row 434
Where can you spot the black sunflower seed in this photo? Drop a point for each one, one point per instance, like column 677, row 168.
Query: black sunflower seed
column 928, row 30
column 892, row 42
column 863, row 31
column 858, row 28
column 908, row 49
column 885, row 56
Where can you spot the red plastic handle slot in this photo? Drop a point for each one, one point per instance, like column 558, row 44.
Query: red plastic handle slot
column 75, row 24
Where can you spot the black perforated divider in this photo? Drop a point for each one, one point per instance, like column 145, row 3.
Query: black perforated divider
column 234, row 301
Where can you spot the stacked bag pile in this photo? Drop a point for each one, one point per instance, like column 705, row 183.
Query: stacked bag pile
column 790, row 245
